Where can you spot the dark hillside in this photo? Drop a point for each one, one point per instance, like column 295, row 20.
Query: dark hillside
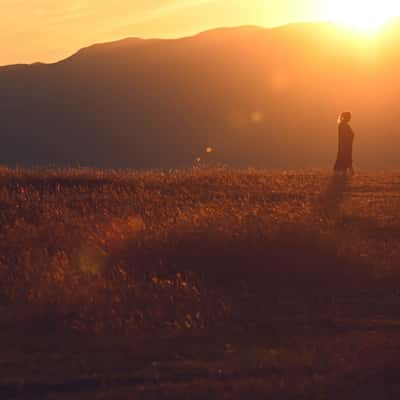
column 262, row 97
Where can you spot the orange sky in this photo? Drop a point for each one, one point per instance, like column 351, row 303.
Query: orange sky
column 49, row 30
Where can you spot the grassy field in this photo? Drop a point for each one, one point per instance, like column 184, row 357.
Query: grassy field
column 205, row 283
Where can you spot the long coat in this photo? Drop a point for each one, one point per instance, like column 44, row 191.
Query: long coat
column 345, row 154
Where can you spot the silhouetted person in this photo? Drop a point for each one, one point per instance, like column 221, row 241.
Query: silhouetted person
column 344, row 160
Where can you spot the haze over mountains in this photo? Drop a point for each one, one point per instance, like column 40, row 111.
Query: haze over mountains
column 259, row 97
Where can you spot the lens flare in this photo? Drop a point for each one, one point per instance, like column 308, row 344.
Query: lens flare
column 256, row 117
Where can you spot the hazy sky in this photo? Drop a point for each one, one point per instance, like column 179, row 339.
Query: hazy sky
column 49, row 30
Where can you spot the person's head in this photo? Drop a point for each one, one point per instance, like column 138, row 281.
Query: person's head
column 344, row 117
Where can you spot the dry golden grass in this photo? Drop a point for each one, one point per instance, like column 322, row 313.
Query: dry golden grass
column 111, row 250
column 213, row 250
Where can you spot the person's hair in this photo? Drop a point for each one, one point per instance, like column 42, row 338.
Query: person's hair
column 344, row 116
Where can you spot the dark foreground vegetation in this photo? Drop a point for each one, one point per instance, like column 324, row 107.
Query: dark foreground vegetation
column 206, row 283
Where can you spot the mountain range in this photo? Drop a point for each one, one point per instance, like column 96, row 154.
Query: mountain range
column 245, row 96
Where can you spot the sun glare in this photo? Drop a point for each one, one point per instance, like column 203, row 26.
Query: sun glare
column 363, row 15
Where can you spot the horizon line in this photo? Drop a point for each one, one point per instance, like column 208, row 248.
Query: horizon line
column 183, row 37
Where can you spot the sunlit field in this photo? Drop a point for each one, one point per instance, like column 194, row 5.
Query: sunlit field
column 204, row 283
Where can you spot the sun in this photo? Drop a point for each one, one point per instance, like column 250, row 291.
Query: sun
column 362, row 15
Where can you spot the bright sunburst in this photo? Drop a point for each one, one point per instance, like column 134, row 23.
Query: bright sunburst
column 363, row 15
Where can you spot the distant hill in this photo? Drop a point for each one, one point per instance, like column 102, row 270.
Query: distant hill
column 258, row 97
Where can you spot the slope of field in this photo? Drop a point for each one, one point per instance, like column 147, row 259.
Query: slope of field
column 201, row 283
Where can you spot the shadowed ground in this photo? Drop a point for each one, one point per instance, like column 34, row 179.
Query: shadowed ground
column 208, row 283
